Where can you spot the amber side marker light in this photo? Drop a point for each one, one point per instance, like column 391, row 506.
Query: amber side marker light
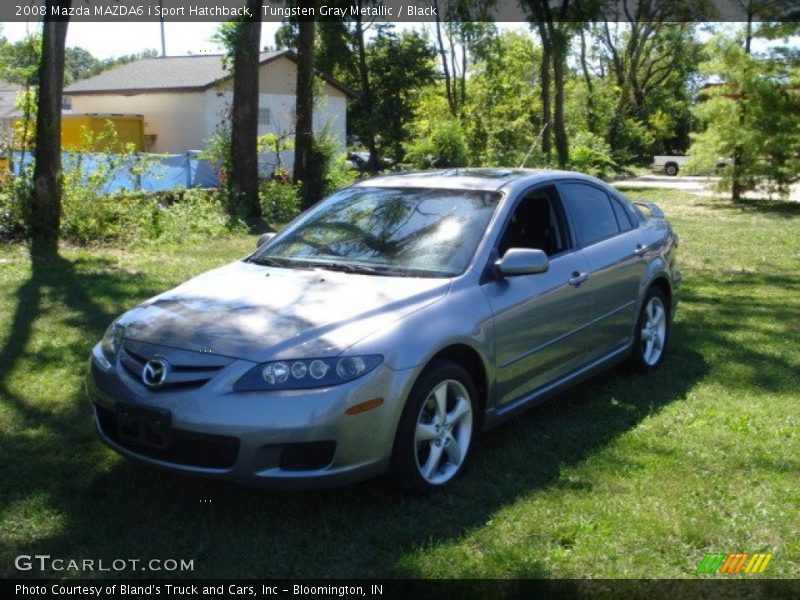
column 364, row 406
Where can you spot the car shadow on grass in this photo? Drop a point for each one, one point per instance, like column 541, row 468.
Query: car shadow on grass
column 91, row 503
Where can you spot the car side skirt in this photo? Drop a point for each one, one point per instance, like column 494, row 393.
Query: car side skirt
column 499, row 414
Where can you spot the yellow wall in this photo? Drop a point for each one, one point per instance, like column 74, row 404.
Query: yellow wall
column 129, row 130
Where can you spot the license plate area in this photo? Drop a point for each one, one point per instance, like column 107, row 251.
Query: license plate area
column 147, row 426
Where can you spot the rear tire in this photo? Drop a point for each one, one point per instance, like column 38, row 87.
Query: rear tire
column 671, row 169
column 434, row 437
column 652, row 334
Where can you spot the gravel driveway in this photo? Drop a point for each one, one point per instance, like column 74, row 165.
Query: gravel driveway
column 694, row 185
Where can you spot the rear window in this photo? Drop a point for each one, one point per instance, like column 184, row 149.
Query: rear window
column 591, row 212
column 623, row 219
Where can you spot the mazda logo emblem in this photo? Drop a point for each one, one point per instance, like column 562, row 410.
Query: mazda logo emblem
column 155, row 372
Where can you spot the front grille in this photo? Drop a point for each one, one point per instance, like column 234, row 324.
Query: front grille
column 186, row 447
column 187, row 369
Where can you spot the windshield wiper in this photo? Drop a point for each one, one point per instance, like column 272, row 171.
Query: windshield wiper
column 269, row 262
column 345, row 267
column 383, row 270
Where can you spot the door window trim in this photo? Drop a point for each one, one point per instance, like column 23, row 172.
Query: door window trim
column 488, row 273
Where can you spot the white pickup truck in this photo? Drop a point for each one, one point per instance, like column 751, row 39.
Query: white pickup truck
column 669, row 164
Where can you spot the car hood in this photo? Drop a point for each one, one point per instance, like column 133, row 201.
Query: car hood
column 262, row 313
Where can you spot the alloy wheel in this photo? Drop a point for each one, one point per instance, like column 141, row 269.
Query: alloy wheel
column 654, row 331
column 443, row 432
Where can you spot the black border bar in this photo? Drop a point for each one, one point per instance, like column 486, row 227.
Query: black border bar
column 403, row 589
column 407, row 10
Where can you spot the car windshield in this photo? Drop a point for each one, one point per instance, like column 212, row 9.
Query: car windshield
column 387, row 231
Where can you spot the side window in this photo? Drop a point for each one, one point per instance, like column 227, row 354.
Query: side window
column 538, row 223
column 623, row 219
column 590, row 212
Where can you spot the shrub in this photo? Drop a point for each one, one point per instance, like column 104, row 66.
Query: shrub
column 14, row 203
column 444, row 146
column 196, row 214
column 130, row 217
column 333, row 172
column 280, row 202
column 590, row 154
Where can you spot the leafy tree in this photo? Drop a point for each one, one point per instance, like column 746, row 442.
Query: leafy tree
column 751, row 117
column 444, row 146
column 19, row 61
column 652, row 64
column 555, row 24
column 457, row 38
column 80, row 64
column 502, row 91
column 400, row 66
column 334, row 52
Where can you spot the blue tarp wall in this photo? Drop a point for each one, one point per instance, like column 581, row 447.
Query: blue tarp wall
column 165, row 171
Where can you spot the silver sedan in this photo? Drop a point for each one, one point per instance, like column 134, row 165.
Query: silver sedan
column 385, row 327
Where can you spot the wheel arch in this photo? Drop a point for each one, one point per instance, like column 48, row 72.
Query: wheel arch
column 471, row 361
column 662, row 283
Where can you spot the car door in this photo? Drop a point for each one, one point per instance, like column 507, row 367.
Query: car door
column 540, row 320
column 607, row 236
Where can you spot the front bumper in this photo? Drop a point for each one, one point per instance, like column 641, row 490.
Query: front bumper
column 295, row 438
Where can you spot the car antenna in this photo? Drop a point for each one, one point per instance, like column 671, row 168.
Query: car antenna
column 533, row 145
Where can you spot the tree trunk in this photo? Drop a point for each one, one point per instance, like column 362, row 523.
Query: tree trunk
column 304, row 132
column 738, row 151
column 591, row 120
column 560, row 49
column 464, row 59
column 243, row 179
column 46, row 202
column 544, row 75
column 366, row 95
column 448, row 84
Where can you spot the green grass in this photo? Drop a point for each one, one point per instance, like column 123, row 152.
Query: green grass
column 623, row 476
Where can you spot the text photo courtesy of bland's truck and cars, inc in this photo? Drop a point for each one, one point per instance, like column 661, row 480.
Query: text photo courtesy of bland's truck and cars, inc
column 190, row 11
column 230, row 589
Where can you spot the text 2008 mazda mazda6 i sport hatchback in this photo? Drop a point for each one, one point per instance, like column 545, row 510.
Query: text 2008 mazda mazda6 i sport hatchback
column 386, row 326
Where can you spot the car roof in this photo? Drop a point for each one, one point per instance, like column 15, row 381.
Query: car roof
column 484, row 179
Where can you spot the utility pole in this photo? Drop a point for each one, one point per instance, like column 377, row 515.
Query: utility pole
column 163, row 40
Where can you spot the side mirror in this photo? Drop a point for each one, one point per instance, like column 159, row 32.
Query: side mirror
column 522, row 261
column 264, row 238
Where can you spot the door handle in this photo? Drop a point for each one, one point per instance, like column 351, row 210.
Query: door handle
column 640, row 250
column 578, row 278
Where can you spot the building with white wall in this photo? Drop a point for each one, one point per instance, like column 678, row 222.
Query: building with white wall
column 185, row 98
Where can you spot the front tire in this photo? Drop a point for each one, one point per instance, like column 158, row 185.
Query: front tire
column 434, row 438
column 652, row 333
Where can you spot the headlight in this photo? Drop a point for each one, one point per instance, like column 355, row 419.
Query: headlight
column 112, row 340
column 306, row 373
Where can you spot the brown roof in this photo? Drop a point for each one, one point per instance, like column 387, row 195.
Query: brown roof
column 172, row 73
